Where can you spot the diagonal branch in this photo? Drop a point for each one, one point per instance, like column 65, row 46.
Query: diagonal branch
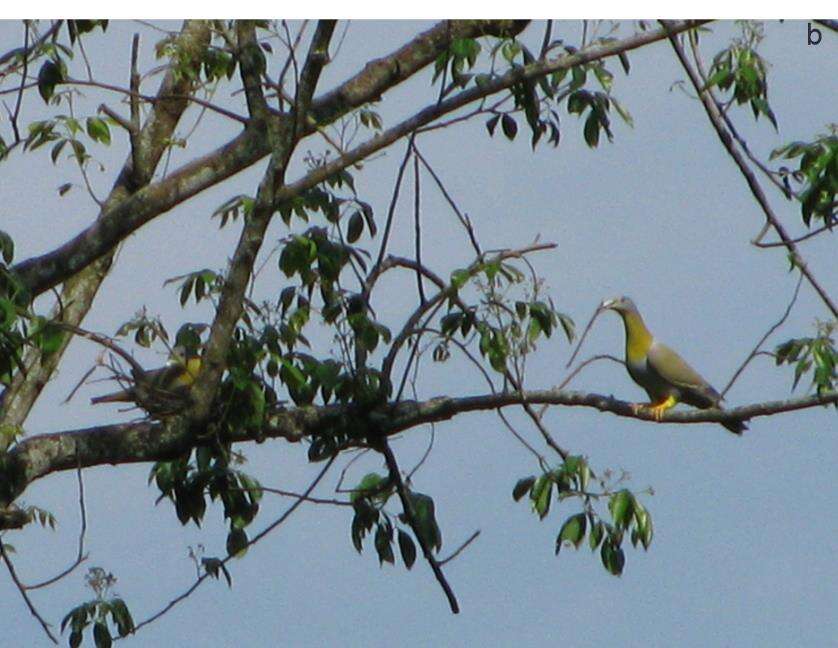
column 40, row 273
column 714, row 115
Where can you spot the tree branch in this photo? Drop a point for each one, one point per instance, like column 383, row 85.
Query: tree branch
column 148, row 441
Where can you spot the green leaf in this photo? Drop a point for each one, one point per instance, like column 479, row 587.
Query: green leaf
column 407, row 548
column 719, row 77
column 425, row 518
column 522, row 487
column 540, row 496
column 7, row 247
column 355, row 228
column 371, row 483
column 643, row 525
column 98, row 130
column 49, row 76
column 236, row 542
column 613, row 558
column 459, row 278
column 383, row 544
column 621, row 505
column 101, row 635
column 509, row 127
column 591, row 130
column 573, row 531
column 595, row 536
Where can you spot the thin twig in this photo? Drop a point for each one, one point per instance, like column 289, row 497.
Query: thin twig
column 464, row 220
column 80, row 557
column 417, row 228
column 153, row 100
column 460, row 549
column 14, row 116
column 32, row 609
column 394, row 199
column 768, row 333
column 584, row 335
column 249, row 544
column 582, row 365
column 829, row 227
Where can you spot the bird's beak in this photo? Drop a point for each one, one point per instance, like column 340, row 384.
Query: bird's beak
column 608, row 303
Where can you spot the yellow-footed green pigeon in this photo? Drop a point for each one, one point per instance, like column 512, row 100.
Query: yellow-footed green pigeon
column 665, row 375
column 162, row 388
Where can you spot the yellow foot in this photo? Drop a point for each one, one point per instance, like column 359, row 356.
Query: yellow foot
column 655, row 409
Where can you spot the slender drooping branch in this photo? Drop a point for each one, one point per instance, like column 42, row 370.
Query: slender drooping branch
column 259, row 536
column 410, row 516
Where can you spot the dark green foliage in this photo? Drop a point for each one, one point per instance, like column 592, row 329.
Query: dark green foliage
column 100, row 613
column 816, row 354
column 369, row 498
column 742, row 72
column 571, row 480
column 816, row 176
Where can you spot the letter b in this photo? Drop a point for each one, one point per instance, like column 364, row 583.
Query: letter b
column 813, row 34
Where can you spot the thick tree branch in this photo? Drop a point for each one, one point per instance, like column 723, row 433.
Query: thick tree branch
column 439, row 108
column 81, row 287
column 283, row 141
column 148, row 441
column 124, row 217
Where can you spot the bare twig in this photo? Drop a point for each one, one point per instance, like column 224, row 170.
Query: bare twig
column 463, row 218
column 153, row 100
column 32, row 609
column 582, row 365
column 81, row 556
column 584, row 335
column 828, row 227
column 768, row 333
column 14, row 116
column 417, row 228
column 460, row 549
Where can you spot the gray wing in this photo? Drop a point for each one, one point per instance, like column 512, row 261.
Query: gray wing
column 672, row 369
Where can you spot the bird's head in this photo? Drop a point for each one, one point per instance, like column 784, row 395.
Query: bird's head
column 621, row 304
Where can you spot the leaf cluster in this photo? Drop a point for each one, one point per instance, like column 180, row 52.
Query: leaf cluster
column 572, row 479
column 368, row 500
column 816, row 173
column 816, row 354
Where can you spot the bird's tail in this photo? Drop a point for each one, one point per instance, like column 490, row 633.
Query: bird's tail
column 737, row 427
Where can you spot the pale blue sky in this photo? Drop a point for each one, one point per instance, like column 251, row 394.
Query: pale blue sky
column 745, row 537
